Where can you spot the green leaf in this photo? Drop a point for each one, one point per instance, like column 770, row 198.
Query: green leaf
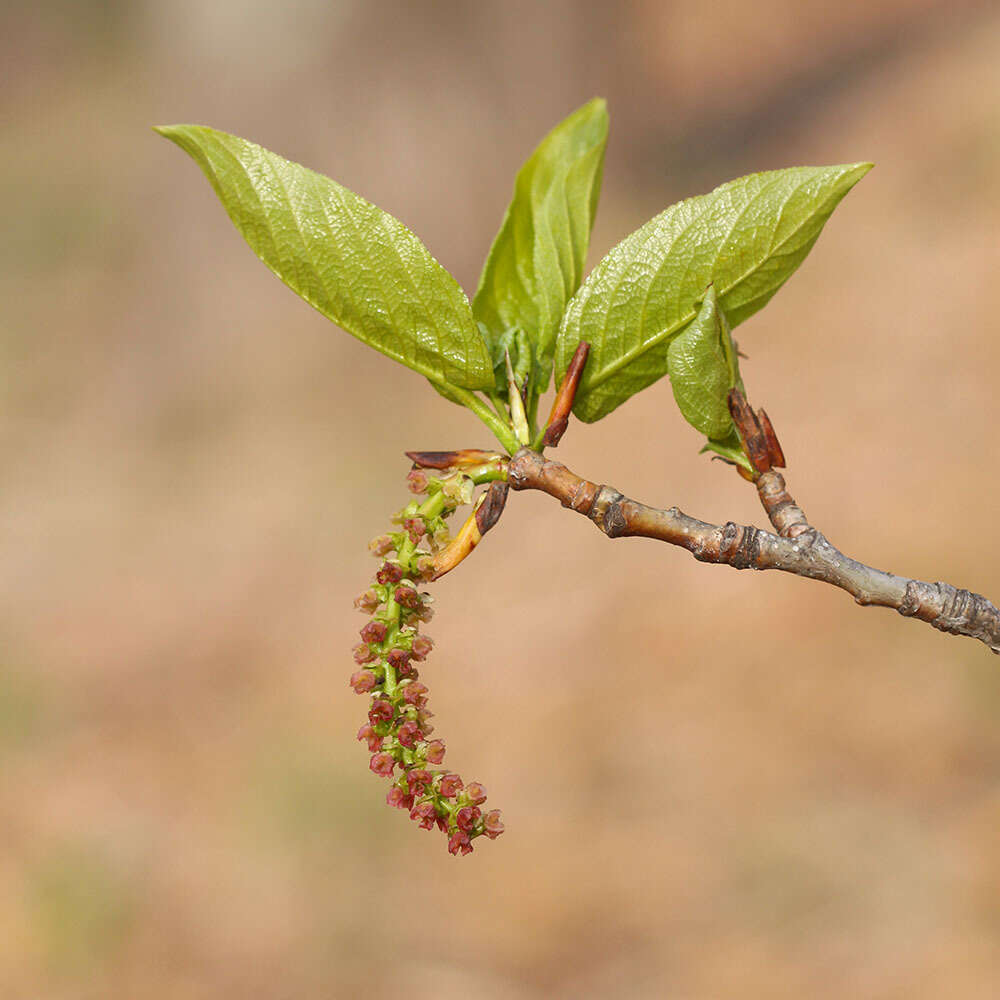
column 536, row 261
column 747, row 237
column 702, row 365
column 731, row 449
column 356, row 264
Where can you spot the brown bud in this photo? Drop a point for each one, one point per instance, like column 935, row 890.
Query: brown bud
column 562, row 406
column 462, row 459
column 489, row 511
column 773, row 445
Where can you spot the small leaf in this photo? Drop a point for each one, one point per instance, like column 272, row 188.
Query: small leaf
column 731, row 449
column 701, row 362
column 536, row 261
column 356, row 264
column 747, row 237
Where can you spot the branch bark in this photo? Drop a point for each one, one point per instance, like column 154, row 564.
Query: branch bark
column 798, row 547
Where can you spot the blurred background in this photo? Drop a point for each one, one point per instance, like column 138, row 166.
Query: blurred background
column 715, row 784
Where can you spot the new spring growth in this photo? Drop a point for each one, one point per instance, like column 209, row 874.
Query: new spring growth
column 398, row 728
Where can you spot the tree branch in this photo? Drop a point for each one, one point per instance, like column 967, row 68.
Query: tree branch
column 803, row 550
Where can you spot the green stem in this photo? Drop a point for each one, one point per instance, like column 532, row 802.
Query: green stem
column 533, row 412
column 504, row 433
column 392, row 621
column 431, row 507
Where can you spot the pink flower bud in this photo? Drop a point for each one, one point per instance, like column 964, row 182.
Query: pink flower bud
column 451, row 785
column 422, row 645
column 362, row 681
column 415, row 528
column 362, row 654
column 425, row 815
column 382, row 764
column 367, row 602
column 416, row 481
column 415, row 693
column 418, row 779
column 398, row 798
column 408, row 733
column 493, row 824
column 389, row 573
column 434, row 752
column 425, row 613
column 407, row 597
column 381, row 711
column 374, row 632
column 466, row 817
column 382, row 545
column 399, row 660
column 475, row 793
column 374, row 740
column 459, row 843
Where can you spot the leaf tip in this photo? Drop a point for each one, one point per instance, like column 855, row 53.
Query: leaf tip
column 858, row 170
column 175, row 133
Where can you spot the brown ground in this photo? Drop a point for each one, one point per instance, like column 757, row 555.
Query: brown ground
column 715, row 784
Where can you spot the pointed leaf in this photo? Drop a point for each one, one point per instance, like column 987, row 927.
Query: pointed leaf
column 701, row 361
column 536, row 261
column 747, row 236
column 356, row 264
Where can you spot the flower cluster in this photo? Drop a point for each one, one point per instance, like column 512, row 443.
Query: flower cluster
column 398, row 728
